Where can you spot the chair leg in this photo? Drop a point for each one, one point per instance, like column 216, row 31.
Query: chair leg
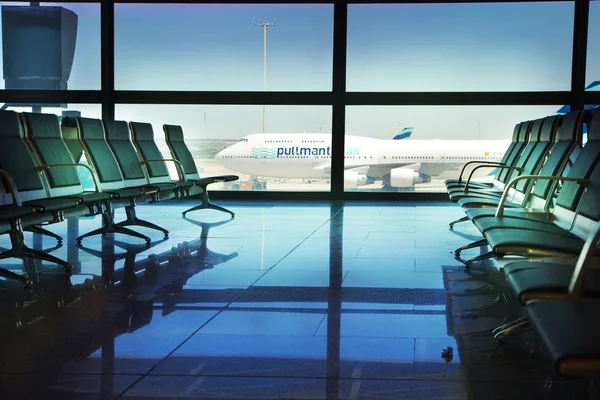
column 508, row 325
column 516, row 328
column 132, row 219
column 21, row 250
column 15, row 277
column 109, row 226
column 478, row 243
column 42, row 231
column 463, row 219
column 481, row 257
column 206, row 204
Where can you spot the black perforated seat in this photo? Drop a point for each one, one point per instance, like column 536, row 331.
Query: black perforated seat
column 486, row 224
column 530, row 161
column 569, row 330
column 517, row 144
column 12, row 212
column 519, row 240
column 44, row 136
column 53, row 205
column 528, row 243
column 119, row 140
column 562, row 154
column 182, row 154
column 89, row 135
column 143, row 140
column 531, row 280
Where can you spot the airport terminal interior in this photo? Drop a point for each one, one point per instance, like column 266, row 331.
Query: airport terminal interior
column 325, row 199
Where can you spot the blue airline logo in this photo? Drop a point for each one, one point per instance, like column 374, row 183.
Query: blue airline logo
column 270, row 153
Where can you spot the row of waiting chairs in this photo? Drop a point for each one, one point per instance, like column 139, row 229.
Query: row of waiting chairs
column 41, row 185
column 543, row 207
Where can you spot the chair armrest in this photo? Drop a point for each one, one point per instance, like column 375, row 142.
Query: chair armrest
column 178, row 165
column 500, row 209
column 483, row 166
column 11, row 186
column 476, row 162
column 584, row 260
column 89, row 168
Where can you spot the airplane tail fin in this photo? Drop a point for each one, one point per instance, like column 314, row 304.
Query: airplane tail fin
column 592, row 87
column 404, row 134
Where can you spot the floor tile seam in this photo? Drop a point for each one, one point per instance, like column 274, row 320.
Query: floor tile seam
column 147, row 373
column 327, row 310
column 406, row 379
column 291, row 251
column 212, row 318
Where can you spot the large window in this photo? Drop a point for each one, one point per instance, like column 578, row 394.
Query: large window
column 460, row 47
column 593, row 53
column 55, row 46
column 221, row 47
column 292, row 155
column 415, row 148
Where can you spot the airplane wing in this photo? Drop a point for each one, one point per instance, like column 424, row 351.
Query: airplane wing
column 380, row 170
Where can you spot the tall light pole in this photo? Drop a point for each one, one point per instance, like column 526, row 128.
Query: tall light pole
column 265, row 27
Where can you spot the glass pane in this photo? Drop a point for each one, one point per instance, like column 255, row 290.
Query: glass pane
column 416, row 148
column 221, row 47
column 460, row 47
column 52, row 47
column 228, row 139
column 593, row 55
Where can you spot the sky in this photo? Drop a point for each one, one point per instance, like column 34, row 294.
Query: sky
column 404, row 47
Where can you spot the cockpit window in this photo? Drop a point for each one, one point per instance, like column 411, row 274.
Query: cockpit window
column 243, row 140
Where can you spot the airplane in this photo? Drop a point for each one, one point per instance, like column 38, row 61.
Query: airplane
column 399, row 163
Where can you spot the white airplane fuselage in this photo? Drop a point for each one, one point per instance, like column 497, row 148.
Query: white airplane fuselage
column 308, row 155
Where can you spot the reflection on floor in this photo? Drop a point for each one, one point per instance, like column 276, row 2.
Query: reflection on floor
column 286, row 301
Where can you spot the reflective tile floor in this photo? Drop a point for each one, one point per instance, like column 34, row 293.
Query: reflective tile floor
column 286, row 301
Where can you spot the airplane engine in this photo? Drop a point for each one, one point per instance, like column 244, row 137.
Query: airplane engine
column 405, row 177
column 352, row 179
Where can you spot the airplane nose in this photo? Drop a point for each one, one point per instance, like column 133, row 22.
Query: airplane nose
column 219, row 155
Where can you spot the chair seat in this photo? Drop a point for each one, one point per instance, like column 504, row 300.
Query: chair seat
column 93, row 197
column 530, row 243
column 163, row 186
column 460, row 194
column 569, row 330
column 184, row 184
column 485, row 202
column 529, row 280
column 486, row 224
column 213, row 179
column 131, row 192
column 12, row 212
column 476, row 213
column 53, row 205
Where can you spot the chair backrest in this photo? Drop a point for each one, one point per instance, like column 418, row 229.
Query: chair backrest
column 4, row 190
column 588, row 212
column 523, row 157
column 570, row 128
column 100, row 156
column 42, row 132
column 517, row 149
column 119, row 141
column 587, row 160
column 142, row 136
column 17, row 160
column 180, row 151
column 70, row 136
column 539, row 153
column 514, row 142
